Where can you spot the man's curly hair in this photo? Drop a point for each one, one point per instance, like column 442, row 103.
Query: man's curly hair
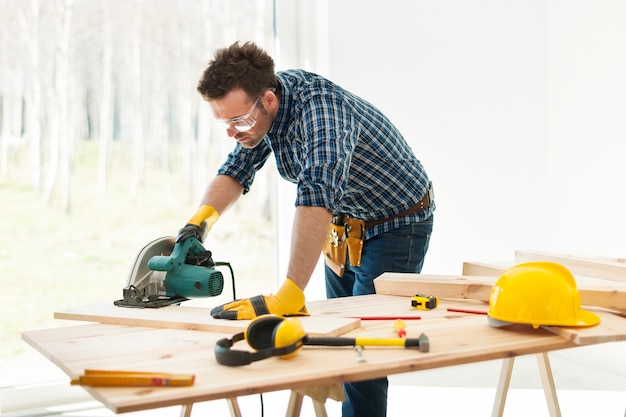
column 244, row 66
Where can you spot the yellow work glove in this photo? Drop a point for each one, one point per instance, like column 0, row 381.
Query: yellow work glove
column 288, row 301
column 199, row 224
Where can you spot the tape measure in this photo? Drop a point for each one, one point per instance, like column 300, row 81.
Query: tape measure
column 424, row 302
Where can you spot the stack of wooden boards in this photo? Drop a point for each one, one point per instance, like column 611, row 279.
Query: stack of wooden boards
column 601, row 281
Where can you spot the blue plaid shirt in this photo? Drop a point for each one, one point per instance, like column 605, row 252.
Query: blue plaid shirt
column 340, row 150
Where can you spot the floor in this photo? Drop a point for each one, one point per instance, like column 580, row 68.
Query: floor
column 590, row 380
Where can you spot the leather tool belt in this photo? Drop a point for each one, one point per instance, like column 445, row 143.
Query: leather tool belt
column 346, row 235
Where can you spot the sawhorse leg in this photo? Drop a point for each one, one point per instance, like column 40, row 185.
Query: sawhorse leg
column 233, row 407
column 503, row 387
column 547, row 381
column 549, row 389
column 319, row 395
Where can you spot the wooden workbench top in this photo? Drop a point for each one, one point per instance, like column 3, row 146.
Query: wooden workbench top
column 455, row 338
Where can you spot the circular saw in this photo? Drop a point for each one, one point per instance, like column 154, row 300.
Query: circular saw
column 166, row 273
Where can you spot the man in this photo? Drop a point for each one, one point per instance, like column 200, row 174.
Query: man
column 363, row 198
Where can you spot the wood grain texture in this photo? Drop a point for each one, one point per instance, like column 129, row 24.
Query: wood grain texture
column 190, row 318
column 482, row 269
column 611, row 296
column 455, row 338
column 613, row 269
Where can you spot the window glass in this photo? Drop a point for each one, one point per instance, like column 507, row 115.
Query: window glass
column 106, row 146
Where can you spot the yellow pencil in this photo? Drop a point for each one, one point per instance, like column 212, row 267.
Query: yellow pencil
column 109, row 378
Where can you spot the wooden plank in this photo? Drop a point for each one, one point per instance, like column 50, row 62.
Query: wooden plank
column 613, row 269
column 455, row 339
column 612, row 327
column 192, row 352
column 482, row 269
column 442, row 286
column 611, row 297
column 191, row 318
column 610, row 324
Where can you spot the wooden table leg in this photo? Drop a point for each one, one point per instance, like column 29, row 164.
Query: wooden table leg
column 319, row 395
column 547, row 381
column 295, row 404
column 185, row 410
column 503, row 387
column 320, row 409
column 233, row 407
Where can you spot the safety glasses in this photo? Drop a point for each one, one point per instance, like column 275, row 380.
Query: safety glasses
column 242, row 123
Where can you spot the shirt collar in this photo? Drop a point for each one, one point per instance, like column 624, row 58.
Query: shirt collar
column 281, row 122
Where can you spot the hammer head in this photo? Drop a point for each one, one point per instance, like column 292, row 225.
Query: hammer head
column 424, row 343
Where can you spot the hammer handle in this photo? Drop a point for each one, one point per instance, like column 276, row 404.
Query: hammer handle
column 360, row 341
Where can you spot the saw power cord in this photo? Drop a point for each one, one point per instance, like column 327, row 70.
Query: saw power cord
column 232, row 279
column 262, row 409
column 232, row 276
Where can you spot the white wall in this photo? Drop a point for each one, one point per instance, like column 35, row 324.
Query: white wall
column 516, row 109
column 586, row 132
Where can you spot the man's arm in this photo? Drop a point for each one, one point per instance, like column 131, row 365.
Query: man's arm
column 309, row 231
column 310, row 227
column 222, row 193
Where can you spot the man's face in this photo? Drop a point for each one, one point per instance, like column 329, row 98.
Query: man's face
column 245, row 120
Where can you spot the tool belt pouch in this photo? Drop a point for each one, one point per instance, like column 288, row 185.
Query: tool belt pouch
column 355, row 232
column 345, row 237
column 335, row 249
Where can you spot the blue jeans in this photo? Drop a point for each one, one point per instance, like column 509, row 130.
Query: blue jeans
column 399, row 250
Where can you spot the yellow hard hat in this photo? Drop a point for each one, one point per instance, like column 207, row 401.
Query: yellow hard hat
column 538, row 293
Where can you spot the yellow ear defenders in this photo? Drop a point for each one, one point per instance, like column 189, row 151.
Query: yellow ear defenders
column 272, row 335
column 269, row 335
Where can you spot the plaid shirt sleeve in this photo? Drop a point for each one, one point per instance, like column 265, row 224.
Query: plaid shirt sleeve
column 345, row 155
column 243, row 163
column 328, row 139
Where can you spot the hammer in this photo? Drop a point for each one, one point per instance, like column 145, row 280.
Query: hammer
column 422, row 342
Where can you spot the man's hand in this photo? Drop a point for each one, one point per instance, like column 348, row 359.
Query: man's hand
column 199, row 224
column 192, row 230
column 288, row 301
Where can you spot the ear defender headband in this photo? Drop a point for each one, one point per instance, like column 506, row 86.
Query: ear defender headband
column 272, row 335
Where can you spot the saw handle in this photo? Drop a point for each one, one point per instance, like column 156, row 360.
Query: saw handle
column 178, row 256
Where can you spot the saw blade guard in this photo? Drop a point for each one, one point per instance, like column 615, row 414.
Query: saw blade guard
column 141, row 276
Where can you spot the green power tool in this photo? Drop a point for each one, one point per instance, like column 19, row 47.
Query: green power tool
column 166, row 273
